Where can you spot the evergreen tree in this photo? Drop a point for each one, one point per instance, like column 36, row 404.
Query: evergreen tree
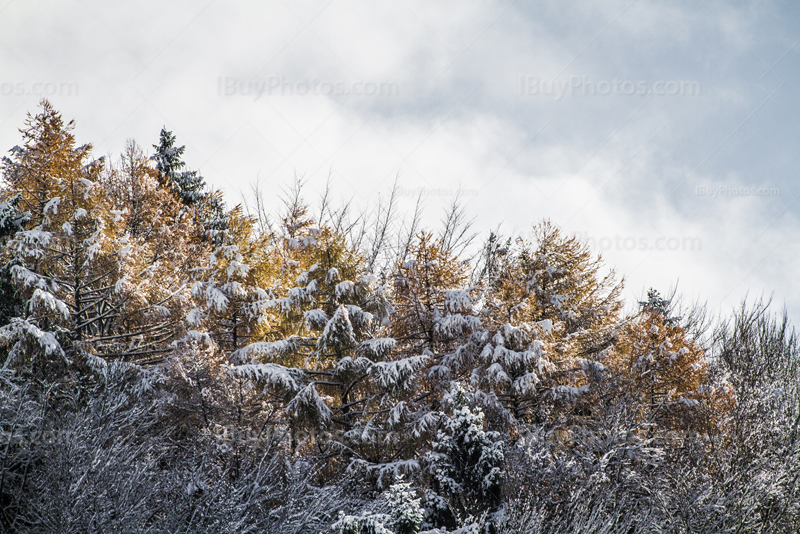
column 11, row 222
column 465, row 467
column 66, row 261
column 396, row 511
column 549, row 319
column 189, row 185
column 324, row 359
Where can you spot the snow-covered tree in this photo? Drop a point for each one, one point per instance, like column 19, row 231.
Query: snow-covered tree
column 396, row 511
column 550, row 317
column 66, row 261
column 159, row 251
column 465, row 467
column 668, row 375
column 326, row 358
column 189, row 185
column 11, row 222
column 169, row 162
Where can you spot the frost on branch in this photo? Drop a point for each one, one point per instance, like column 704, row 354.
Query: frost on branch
column 397, row 374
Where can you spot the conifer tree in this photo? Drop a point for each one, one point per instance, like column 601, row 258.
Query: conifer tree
column 465, row 467
column 11, row 222
column 326, row 359
column 667, row 374
column 435, row 317
column 159, row 250
column 549, row 317
column 66, row 259
column 190, row 186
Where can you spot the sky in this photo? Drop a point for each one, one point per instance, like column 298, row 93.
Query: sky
column 664, row 134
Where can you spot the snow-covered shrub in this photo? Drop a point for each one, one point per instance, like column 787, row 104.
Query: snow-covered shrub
column 465, row 467
column 396, row 511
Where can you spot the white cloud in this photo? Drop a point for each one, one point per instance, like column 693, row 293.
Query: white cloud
column 618, row 167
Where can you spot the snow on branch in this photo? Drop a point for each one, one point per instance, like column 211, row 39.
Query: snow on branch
column 272, row 375
column 378, row 348
column 397, row 374
column 266, row 349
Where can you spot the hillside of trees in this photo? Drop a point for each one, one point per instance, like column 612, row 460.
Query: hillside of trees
column 174, row 364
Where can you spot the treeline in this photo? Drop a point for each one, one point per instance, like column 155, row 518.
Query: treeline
column 174, row 365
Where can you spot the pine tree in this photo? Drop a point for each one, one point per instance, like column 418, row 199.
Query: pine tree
column 465, row 467
column 66, row 259
column 189, row 185
column 325, row 359
column 550, row 318
column 11, row 222
column 396, row 511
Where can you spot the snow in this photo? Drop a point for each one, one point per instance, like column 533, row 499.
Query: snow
column 52, row 205
column 568, row 393
column 497, row 375
column 30, row 242
column 302, row 278
column 344, row 289
column 117, row 214
column 28, row 277
column 545, row 326
column 338, row 331
column 315, row 318
column 457, row 301
column 49, row 301
column 216, row 299
column 274, row 376
column 526, row 384
column 265, row 349
column 378, row 348
column 18, row 330
column 308, row 404
column 195, row 317
column 457, row 325
column 398, row 373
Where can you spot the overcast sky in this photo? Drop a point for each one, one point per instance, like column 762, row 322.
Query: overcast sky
column 664, row 133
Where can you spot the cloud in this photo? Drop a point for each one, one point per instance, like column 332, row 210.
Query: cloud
column 606, row 117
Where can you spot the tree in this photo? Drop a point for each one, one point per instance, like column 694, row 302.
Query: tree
column 549, row 318
column 324, row 359
column 667, row 374
column 465, row 467
column 396, row 511
column 189, row 185
column 11, row 222
column 67, row 261
column 159, row 249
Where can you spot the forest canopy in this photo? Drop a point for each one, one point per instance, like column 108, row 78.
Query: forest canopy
column 175, row 364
